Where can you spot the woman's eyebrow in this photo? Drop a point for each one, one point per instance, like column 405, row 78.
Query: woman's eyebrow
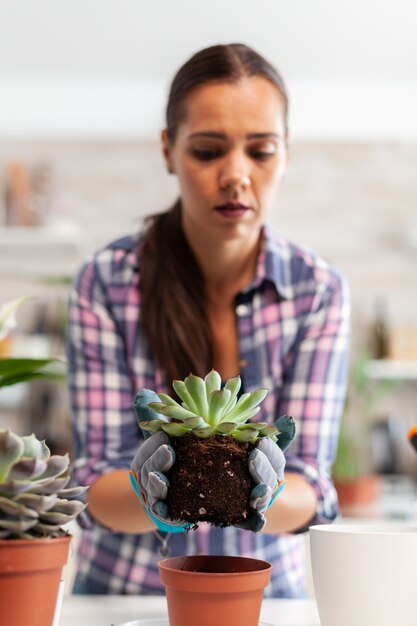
column 215, row 135
column 208, row 133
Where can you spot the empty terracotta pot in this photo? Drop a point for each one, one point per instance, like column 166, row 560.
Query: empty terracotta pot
column 206, row 590
column 30, row 572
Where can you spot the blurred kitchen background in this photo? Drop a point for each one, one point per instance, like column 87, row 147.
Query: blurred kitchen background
column 82, row 93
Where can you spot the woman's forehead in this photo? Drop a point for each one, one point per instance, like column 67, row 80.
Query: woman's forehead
column 252, row 103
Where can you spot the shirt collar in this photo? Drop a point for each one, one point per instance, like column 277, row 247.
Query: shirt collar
column 273, row 264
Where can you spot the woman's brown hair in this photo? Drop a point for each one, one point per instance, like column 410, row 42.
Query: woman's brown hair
column 173, row 316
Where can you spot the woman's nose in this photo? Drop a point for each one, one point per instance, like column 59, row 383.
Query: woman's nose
column 236, row 182
column 234, row 176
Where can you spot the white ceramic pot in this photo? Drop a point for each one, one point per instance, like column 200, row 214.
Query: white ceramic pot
column 365, row 573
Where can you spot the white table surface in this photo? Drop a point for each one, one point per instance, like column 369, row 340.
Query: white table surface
column 79, row 610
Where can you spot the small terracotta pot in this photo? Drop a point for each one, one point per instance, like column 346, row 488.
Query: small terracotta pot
column 207, row 590
column 357, row 492
column 30, row 573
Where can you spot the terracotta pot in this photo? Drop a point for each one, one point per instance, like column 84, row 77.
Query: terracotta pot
column 358, row 491
column 30, row 573
column 221, row 590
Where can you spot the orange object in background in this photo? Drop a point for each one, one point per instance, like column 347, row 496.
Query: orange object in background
column 5, row 347
column 412, row 436
column 19, row 195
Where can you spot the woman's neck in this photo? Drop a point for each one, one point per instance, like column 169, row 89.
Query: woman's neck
column 227, row 267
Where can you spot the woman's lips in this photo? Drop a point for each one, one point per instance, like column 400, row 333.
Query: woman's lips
column 232, row 209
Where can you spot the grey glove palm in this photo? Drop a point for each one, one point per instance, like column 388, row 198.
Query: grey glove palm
column 151, row 462
column 266, row 467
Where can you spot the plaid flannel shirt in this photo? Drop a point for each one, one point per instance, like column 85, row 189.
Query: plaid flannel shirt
column 293, row 328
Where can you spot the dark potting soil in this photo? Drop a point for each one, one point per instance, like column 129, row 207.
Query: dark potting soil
column 210, row 480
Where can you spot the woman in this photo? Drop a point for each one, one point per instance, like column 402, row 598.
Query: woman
column 208, row 285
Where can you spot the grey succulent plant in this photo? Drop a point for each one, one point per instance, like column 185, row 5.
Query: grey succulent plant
column 206, row 410
column 35, row 500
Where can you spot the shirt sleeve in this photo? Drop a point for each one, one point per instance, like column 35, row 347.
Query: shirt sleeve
column 105, row 433
column 313, row 391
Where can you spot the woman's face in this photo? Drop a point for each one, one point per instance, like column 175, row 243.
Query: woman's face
column 229, row 156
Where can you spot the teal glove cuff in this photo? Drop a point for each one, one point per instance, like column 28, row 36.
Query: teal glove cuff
column 278, row 491
column 161, row 525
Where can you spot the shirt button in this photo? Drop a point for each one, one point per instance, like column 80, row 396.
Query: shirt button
column 243, row 363
column 242, row 310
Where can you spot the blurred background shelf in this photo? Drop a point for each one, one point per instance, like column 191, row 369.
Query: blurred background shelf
column 36, row 254
column 62, row 237
column 389, row 369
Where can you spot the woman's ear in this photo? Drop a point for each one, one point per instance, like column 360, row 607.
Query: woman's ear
column 166, row 151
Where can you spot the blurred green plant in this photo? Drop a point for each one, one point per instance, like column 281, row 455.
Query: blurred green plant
column 14, row 370
column 353, row 448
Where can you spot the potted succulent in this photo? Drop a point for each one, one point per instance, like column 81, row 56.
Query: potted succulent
column 212, row 439
column 35, row 503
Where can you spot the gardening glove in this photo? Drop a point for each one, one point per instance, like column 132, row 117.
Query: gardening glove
column 266, row 467
column 152, row 460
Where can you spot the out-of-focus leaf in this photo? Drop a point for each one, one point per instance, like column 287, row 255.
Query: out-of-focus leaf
column 27, row 469
column 13, row 508
column 35, row 447
column 11, row 449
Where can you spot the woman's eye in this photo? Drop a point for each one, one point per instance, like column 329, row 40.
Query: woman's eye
column 206, row 155
column 262, row 155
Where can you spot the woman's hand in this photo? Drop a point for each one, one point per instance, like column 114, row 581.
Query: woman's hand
column 266, row 467
column 154, row 457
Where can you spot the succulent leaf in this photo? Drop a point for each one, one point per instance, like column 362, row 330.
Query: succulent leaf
column 55, row 517
column 176, row 412
column 11, row 449
column 36, row 501
column 249, row 435
column 194, row 422
column 182, row 392
column 153, row 426
column 204, row 433
column 197, row 390
column 15, row 524
column 33, row 447
column 217, row 406
column 43, row 529
column 176, row 430
column 51, row 485
column 11, row 507
column 269, row 430
column 69, row 507
column 233, row 385
column 213, row 382
column 245, row 415
column 166, row 399
column 56, row 465
column 225, row 428
column 245, row 404
column 253, row 425
column 14, row 487
column 27, row 469
column 72, row 492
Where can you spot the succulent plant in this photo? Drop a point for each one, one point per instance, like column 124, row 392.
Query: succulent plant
column 207, row 409
column 34, row 498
